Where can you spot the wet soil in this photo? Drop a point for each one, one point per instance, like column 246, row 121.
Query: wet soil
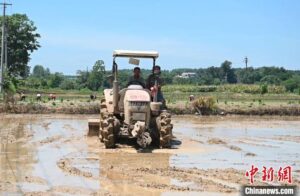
column 52, row 155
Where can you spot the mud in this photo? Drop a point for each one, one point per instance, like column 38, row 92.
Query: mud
column 51, row 155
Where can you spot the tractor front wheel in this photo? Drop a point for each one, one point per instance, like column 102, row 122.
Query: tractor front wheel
column 161, row 130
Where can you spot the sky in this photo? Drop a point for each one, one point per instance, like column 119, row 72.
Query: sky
column 187, row 34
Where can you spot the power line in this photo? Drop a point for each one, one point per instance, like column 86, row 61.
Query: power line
column 3, row 47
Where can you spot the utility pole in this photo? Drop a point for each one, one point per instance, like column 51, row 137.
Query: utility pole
column 3, row 47
column 246, row 62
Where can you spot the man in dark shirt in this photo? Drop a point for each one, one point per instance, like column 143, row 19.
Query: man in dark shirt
column 136, row 78
column 154, row 83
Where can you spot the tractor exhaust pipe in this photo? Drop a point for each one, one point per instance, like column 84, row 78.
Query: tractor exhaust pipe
column 115, row 86
column 115, row 94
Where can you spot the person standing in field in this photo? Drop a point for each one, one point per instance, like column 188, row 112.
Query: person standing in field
column 23, row 97
column 38, row 97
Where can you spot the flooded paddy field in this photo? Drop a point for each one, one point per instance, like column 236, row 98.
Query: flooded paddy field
column 51, row 155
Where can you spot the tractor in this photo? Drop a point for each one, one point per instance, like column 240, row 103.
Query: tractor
column 132, row 112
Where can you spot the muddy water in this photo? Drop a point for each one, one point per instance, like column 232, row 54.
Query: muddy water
column 50, row 154
column 238, row 142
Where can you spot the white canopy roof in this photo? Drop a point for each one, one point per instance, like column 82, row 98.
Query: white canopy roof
column 136, row 54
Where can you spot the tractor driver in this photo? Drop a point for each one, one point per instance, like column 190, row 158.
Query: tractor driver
column 153, row 79
column 136, row 78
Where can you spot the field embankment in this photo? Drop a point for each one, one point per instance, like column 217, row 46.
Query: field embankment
column 223, row 99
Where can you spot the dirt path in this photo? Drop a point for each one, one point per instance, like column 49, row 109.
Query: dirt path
column 51, row 155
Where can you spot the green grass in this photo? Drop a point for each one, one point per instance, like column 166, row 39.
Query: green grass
column 241, row 96
column 57, row 91
column 178, row 98
column 224, row 94
column 232, row 88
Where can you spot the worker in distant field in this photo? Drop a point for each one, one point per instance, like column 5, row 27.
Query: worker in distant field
column 136, row 78
column 191, row 97
column 38, row 97
column 52, row 97
column 93, row 97
column 23, row 96
column 154, row 83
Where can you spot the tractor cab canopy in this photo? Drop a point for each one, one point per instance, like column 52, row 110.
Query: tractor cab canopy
column 131, row 54
column 135, row 54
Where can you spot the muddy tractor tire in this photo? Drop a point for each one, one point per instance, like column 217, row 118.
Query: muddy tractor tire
column 162, row 130
column 106, row 132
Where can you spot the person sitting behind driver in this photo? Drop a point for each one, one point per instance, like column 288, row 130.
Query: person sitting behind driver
column 136, row 78
column 150, row 84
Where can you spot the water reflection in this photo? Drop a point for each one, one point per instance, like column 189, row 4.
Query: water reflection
column 16, row 157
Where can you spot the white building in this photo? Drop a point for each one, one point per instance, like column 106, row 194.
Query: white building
column 187, row 75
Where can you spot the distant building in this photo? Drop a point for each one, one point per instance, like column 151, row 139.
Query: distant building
column 187, row 75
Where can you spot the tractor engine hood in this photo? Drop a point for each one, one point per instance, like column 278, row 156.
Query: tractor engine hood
column 137, row 96
column 137, row 107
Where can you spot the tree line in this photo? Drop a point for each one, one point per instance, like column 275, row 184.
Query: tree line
column 225, row 74
column 98, row 78
column 42, row 78
column 23, row 40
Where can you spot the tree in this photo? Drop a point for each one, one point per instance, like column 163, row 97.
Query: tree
column 56, row 79
column 207, row 76
column 248, row 76
column 95, row 79
column 67, row 84
column 225, row 67
column 22, row 40
column 227, row 72
column 9, row 86
column 47, row 72
column 123, row 76
column 293, row 83
column 270, row 79
column 38, row 71
column 82, row 78
column 33, row 82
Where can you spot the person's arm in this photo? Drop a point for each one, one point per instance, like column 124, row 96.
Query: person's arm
column 148, row 82
column 159, row 83
column 143, row 82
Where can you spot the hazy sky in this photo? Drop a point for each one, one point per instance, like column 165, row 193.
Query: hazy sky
column 190, row 33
